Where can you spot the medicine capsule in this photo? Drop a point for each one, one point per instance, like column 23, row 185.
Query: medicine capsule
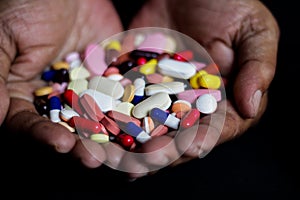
column 55, row 107
column 137, row 132
column 72, row 100
column 86, row 125
column 139, row 85
column 164, row 118
column 190, row 118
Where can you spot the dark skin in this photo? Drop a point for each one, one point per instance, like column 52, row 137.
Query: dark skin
column 241, row 36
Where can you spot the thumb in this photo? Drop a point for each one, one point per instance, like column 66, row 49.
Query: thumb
column 257, row 64
column 4, row 69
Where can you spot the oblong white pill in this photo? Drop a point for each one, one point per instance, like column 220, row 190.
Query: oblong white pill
column 104, row 101
column 177, row 69
column 173, row 87
column 67, row 114
column 160, row 100
column 106, row 86
column 206, row 103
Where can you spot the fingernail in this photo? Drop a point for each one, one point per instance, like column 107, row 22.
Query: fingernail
column 255, row 102
column 201, row 153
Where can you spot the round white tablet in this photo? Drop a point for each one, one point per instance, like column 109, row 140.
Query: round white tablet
column 206, row 103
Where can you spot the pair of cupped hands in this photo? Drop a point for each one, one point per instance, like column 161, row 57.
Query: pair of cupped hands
column 241, row 37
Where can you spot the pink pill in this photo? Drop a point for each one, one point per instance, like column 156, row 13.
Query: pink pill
column 73, row 56
column 154, row 78
column 190, row 118
column 159, row 130
column 191, row 95
column 111, row 70
column 91, row 108
column 155, row 42
column 94, row 58
column 118, row 116
column 110, row 125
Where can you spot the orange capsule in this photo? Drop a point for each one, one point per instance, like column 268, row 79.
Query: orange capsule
column 190, row 118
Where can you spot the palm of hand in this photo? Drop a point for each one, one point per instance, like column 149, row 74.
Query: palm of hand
column 241, row 37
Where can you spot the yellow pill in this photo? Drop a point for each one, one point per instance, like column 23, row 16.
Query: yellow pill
column 100, row 138
column 194, row 80
column 60, row 65
column 210, row 81
column 43, row 91
column 115, row 44
column 128, row 93
column 149, row 67
column 65, row 124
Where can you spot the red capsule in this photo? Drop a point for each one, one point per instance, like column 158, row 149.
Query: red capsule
column 85, row 125
column 72, row 99
column 190, row 118
column 125, row 139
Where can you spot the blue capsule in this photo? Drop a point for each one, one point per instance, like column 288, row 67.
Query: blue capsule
column 135, row 131
column 55, row 107
column 164, row 118
column 54, row 103
column 48, row 75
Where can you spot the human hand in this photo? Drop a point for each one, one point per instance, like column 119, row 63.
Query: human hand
column 242, row 38
column 35, row 34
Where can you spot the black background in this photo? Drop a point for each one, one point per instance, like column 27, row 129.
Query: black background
column 261, row 164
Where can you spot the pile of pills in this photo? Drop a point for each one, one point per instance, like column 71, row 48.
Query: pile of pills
column 129, row 91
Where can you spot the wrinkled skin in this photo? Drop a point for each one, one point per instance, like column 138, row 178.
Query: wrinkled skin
column 35, row 34
column 241, row 36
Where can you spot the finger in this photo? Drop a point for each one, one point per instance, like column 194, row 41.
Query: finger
column 90, row 153
column 257, row 51
column 4, row 98
column 114, row 154
column 159, row 151
column 200, row 139
column 22, row 118
column 133, row 165
column 5, row 62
